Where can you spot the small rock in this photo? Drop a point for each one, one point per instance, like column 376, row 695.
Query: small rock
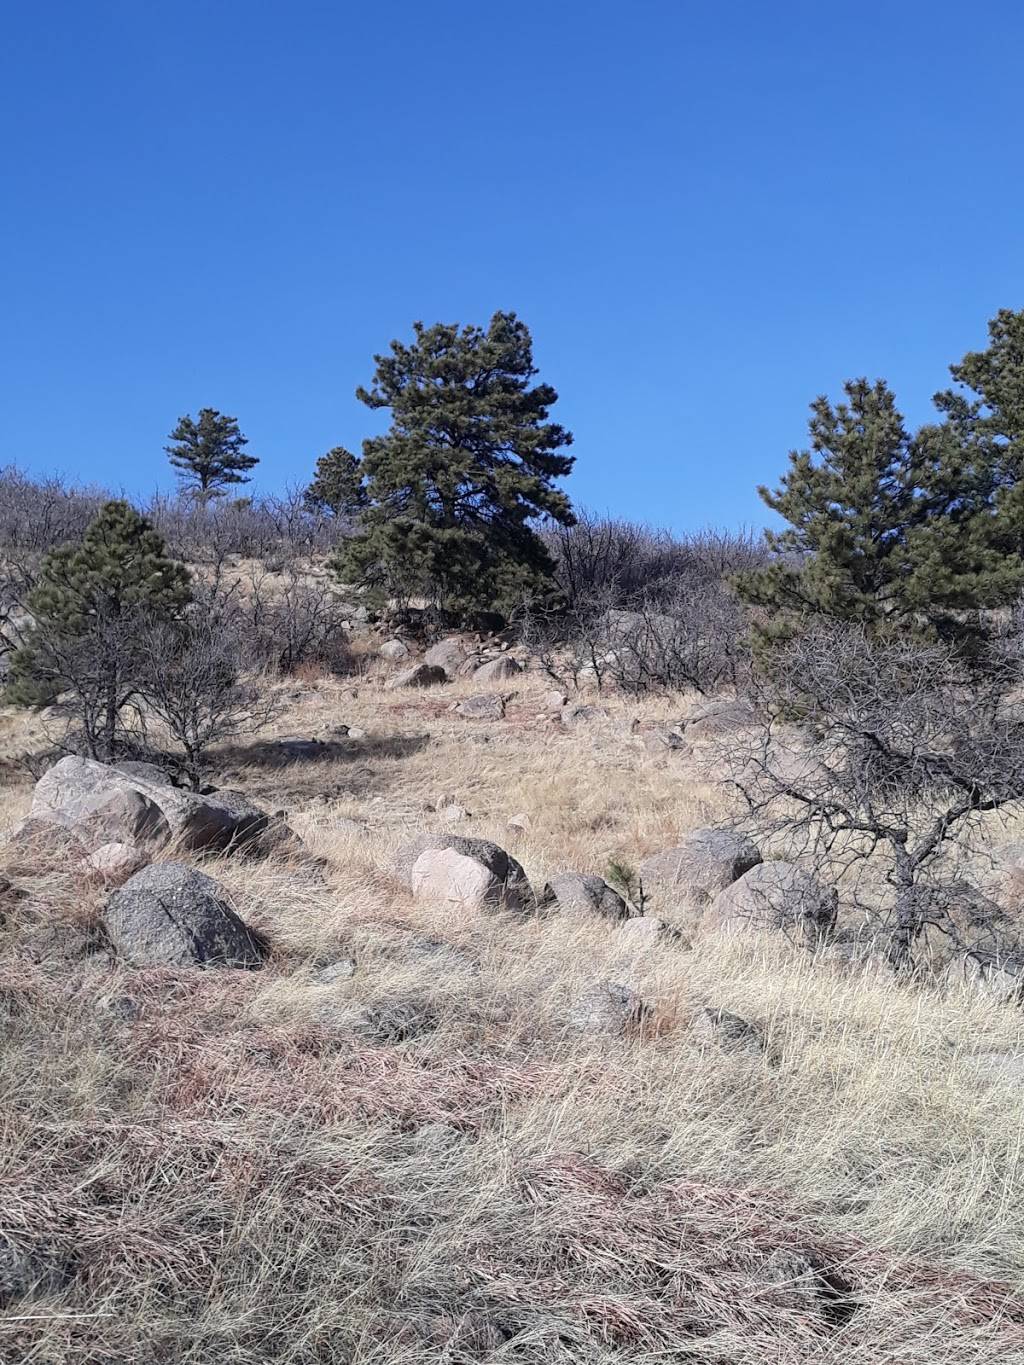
column 447, row 655
column 484, row 707
column 606, row 1008
column 394, row 651
column 520, row 822
column 444, row 876
column 420, row 675
column 571, row 892
column 720, row 1028
column 552, row 702
column 342, row 970
column 662, row 742
column 354, row 732
column 116, row 862
column 585, row 714
column 453, row 813
column 778, row 895
column 516, row 894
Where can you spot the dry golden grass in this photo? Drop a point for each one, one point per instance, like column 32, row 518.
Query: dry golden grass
column 243, row 1167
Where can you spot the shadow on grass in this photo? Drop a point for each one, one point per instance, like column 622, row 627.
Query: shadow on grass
column 295, row 755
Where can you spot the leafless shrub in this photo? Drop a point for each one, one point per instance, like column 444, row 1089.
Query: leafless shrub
column 296, row 618
column 197, row 679
column 621, row 562
column 865, row 748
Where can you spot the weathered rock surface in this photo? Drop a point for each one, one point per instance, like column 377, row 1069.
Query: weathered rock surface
column 171, row 915
column 516, row 893
column 609, row 1007
column 394, row 651
column 442, row 876
column 701, row 865
column 497, row 670
column 488, row 706
column 447, row 654
column 115, row 862
column 778, row 895
column 575, row 892
column 420, row 675
column 99, row 804
column 573, row 717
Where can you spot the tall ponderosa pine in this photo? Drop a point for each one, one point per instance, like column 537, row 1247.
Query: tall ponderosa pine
column 337, row 485
column 89, row 605
column 209, row 454
column 904, row 533
column 469, row 461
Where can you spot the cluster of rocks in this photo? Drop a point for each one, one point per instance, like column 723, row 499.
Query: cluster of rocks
column 449, row 659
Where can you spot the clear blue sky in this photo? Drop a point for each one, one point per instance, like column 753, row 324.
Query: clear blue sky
column 706, row 212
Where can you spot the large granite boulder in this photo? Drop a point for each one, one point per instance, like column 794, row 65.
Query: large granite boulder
column 170, row 915
column 100, row 804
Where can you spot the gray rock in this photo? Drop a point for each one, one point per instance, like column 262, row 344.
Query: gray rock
column 720, row 1028
column 171, row 915
column 552, row 702
column 342, row 970
column 152, row 772
column 420, row 675
column 516, row 893
column 609, row 1007
column 575, row 892
column 441, row 876
column 583, row 714
column 485, row 707
column 662, row 742
column 779, row 895
column 394, row 651
column 99, row 804
column 497, row 670
column 447, row 654
column 115, row 862
column 701, row 865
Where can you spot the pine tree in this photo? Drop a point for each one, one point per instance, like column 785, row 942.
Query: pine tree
column 209, row 454
column 89, row 605
column 903, row 534
column 468, row 462
column 337, row 485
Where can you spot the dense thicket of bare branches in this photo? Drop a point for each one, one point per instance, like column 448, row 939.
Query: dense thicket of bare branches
column 866, row 747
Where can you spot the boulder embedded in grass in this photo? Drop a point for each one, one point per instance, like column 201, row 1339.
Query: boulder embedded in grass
column 173, row 916
column 779, row 895
column 701, row 865
column 516, row 893
column 420, row 675
column 484, row 707
column 576, row 892
column 497, row 670
column 100, row 804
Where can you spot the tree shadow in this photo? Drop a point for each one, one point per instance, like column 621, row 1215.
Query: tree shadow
column 283, row 755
